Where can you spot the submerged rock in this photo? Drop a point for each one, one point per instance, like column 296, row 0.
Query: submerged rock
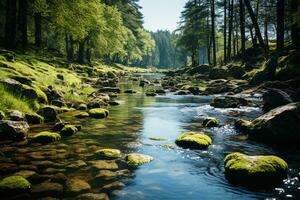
column 110, row 89
column 129, row 91
column 109, row 153
column 255, row 171
column 99, row 113
column 91, row 196
column 13, row 130
column 210, row 122
column 104, row 164
column 280, row 126
column 194, row 140
column 68, row 130
column 76, row 185
column 46, row 137
column 274, row 98
column 47, row 188
column 136, row 159
column 82, row 115
column 14, row 184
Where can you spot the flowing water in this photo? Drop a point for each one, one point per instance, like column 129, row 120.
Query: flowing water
column 175, row 173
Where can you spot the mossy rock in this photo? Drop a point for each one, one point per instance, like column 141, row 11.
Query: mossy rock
column 82, row 107
column 13, row 184
column 157, row 139
column 42, row 97
column 68, row 130
column 46, row 137
column 2, row 115
column 98, row 113
column 210, row 122
column 194, row 140
column 255, row 171
column 82, row 115
column 136, row 159
column 109, row 153
column 33, row 118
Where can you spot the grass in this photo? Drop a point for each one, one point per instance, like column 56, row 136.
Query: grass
column 11, row 101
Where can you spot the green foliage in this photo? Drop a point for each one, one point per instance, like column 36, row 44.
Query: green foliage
column 11, row 101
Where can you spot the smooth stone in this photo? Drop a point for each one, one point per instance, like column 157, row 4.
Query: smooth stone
column 113, row 186
column 12, row 184
column 76, row 185
column 47, row 188
column 194, row 140
column 98, row 113
column 210, row 122
column 82, row 115
column 135, row 159
column 109, row 153
column 46, row 137
column 91, row 196
column 68, row 130
column 104, row 164
column 15, row 130
column 108, row 174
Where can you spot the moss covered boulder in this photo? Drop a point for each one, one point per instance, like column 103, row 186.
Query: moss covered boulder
column 280, row 126
column 46, row 137
column 33, row 118
column 49, row 113
column 210, row 122
column 136, row 159
column 2, row 115
column 13, row 184
column 13, row 130
column 194, row 140
column 68, row 130
column 98, row 113
column 109, row 153
column 82, row 115
column 255, row 171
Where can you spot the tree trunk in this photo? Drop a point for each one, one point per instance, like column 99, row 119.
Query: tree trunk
column 88, row 52
column 213, row 32
column 11, row 24
column 230, row 28
column 225, row 31
column 81, row 51
column 38, row 29
column 256, row 27
column 23, row 7
column 280, row 25
column 242, row 27
column 295, row 28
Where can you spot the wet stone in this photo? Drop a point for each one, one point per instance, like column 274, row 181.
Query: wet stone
column 47, row 189
column 113, row 186
column 103, row 164
column 108, row 175
column 77, row 186
column 91, row 196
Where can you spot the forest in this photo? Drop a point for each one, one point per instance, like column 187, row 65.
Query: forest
column 96, row 104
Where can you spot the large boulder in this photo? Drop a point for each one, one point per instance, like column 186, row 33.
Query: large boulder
column 68, row 130
column 109, row 153
column 255, row 171
column 202, row 69
column 219, row 86
column 217, row 73
column 210, row 122
column 274, row 98
column 229, row 102
column 13, row 130
column 77, row 186
column 236, row 71
column 194, row 140
column 280, row 126
column 33, row 118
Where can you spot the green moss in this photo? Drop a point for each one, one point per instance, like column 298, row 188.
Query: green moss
column 194, row 140
column 210, row 122
column 99, row 113
column 14, row 183
column 254, row 170
column 14, row 101
column 46, row 137
column 82, row 115
column 109, row 153
column 68, row 130
column 157, row 139
column 135, row 159
column 41, row 95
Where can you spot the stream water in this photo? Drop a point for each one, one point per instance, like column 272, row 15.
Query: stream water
column 175, row 173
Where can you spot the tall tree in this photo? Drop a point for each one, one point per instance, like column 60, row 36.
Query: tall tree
column 11, row 24
column 213, row 32
column 242, row 27
column 23, row 9
column 280, row 25
column 225, row 31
